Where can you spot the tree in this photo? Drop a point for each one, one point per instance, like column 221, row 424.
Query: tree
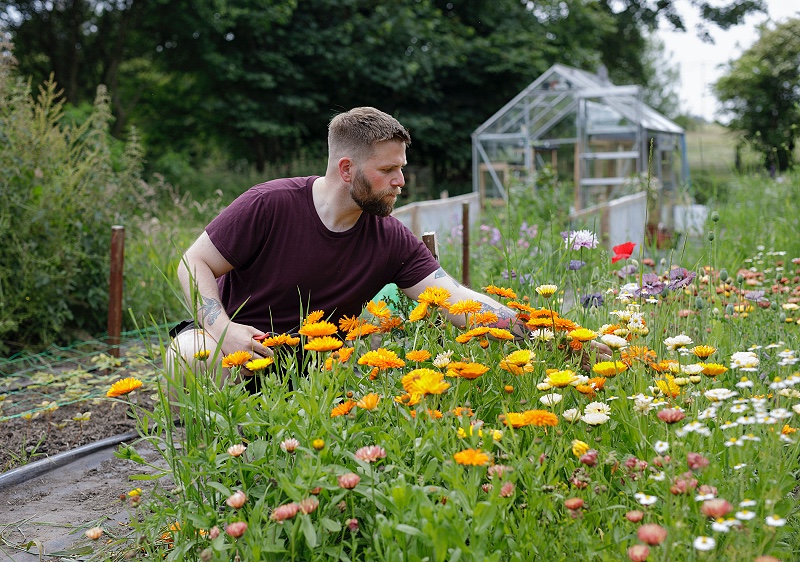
column 761, row 91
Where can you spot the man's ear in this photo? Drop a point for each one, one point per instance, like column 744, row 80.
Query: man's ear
column 346, row 169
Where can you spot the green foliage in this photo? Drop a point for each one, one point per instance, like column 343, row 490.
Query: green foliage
column 761, row 90
column 62, row 187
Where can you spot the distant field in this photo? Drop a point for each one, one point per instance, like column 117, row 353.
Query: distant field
column 712, row 147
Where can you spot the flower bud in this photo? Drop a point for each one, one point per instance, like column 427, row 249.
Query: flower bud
column 711, row 235
column 236, row 529
column 94, row 533
column 573, row 503
column 714, row 216
column 651, row 534
column 638, row 552
column 634, row 516
column 213, row 532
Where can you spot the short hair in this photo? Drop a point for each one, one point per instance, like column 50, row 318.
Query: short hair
column 356, row 132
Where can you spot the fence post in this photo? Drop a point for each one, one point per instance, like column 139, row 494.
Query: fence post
column 115, row 288
column 465, row 244
column 429, row 239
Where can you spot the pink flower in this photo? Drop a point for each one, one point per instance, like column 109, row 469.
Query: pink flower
column 652, row 534
column 671, row 415
column 213, row 532
column 573, row 503
column 716, row 508
column 308, row 505
column 236, row 529
column 349, row 481
column 284, row 512
column 634, row 516
column 507, row 490
column 707, row 489
column 498, row 470
column 352, row 525
column 289, row 445
column 370, row 453
column 236, row 500
column 590, row 458
column 236, row 450
column 638, row 553
column 696, row 461
column 683, row 484
column 487, row 488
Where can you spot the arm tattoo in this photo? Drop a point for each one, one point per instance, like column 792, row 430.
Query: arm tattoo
column 210, row 310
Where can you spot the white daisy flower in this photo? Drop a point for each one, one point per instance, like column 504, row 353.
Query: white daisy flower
column 704, row 543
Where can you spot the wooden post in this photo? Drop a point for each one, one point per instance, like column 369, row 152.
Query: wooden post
column 115, row 288
column 465, row 244
column 429, row 239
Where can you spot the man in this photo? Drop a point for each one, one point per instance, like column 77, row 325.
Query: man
column 291, row 246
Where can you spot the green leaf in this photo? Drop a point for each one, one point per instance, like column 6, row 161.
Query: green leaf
column 408, row 529
column 330, row 525
column 308, row 531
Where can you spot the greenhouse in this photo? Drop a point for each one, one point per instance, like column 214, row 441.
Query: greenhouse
column 596, row 134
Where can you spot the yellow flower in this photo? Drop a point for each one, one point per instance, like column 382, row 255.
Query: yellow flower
column 135, row 492
column 435, row 296
column 520, row 358
column 582, row 334
column 343, row 409
column 123, row 386
column 424, row 381
column 579, row 448
column 202, row 355
column 418, row 355
column 259, row 364
column 609, row 368
column 787, row 429
column 500, row 334
column 408, row 399
column 465, row 307
column 381, row 358
column 501, row 292
column 324, row 343
column 379, row 309
column 318, row 444
column 478, row 332
column 560, row 379
column 668, row 387
column 313, row 317
column 419, row 312
column 713, row 369
column 236, row 359
column 318, row 329
column 369, row 402
column 466, row 370
column 472, row 457
column 515, row 420
column 703, row 351
column 482, row 318
column 547, row 291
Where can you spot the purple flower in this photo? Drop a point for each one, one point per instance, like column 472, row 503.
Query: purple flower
column 529, row 231
column 592, row 299
column 575, row 265
column 651, row 285
column 755, row 296
column 577, row 239
column 680, row 277
column 626, row 270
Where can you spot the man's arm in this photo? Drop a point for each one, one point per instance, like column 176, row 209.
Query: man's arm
column 198, row 271
column 440, row 278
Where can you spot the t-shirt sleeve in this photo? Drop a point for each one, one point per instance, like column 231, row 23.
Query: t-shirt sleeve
column 238, row 232
column 417, row 262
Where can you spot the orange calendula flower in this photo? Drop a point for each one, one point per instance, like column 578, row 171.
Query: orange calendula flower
column 424, row 381
column 582, row 334
column 361, row 331
column 349, row 323
column 459, row 411
column 323, row 343
column 408, row 399
column 478, row 332
column 640, row 354
column 465, row 307
column 609, row 368
column 379, row 309
column 575, row 345
column 124, row 386
column 236, row 359
column 501, row 292
column 713, row 369
column 466, row 370
column 369, row 402
column 313, row 317
column 382, row 359
column 341, row 355
column 343, row 409
column 259, row 364
column 521, row 307
column 501, row 334
column 282, row 339
column 419, row 312
column 703, row 351
column 432, row 414
column 435, row 296
column 391, row 323
column 483, row 318
column 418, row 355
column 788, row 430
column 319, row 329
column 540, row 418
column 518, row 362
column 472, row 457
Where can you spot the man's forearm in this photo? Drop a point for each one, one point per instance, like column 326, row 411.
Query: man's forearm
column 506, row 317
column 202, row 294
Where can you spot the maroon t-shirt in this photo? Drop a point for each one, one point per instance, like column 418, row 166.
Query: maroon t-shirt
column 287, row 263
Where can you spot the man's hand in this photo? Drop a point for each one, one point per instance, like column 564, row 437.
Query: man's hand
column 239, row 337
column 600, row 351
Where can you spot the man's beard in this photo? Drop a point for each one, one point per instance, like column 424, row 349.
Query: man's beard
column 369, row 202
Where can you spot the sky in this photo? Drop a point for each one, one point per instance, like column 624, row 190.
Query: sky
column 701, row 64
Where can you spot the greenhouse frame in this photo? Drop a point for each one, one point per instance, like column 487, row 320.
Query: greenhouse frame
column 601, row 136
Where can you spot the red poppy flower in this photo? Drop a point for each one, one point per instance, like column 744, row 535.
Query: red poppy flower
column 623, row 251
